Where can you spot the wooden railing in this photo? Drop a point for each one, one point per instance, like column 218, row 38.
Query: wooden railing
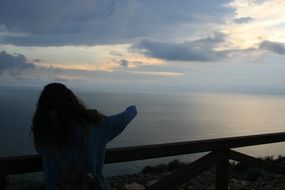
column 219, row 154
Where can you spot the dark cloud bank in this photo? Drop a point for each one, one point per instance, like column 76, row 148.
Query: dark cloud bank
column 201, row 50
column 13, row 63
column 89, row 22
column 275, row 47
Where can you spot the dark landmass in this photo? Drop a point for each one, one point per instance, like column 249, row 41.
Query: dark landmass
column 242, row 177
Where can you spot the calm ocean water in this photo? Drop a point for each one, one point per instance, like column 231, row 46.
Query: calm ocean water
column 161, row 118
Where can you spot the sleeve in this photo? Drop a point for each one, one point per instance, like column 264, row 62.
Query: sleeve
column 117, row 123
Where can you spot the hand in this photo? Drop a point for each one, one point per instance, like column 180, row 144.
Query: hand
column 132, row 109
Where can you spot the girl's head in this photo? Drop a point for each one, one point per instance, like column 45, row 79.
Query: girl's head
column 57, row 114
column 57, row 97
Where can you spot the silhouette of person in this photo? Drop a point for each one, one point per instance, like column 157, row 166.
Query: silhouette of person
column 61, row 120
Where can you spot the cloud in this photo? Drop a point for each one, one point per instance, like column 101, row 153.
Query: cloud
column 89, row 22
column 201, row 50
column 14, row 64
column 243, row 20
column 275, row 47
column 116, row 53
column 37, row 60
column 124, row 63
column 210, row 41
column 159, row 73
column 255, row 20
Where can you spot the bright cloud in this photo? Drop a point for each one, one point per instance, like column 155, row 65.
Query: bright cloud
column 153, row 73
column 264, row 21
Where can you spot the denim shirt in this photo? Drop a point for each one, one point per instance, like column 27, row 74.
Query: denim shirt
column 99, row 136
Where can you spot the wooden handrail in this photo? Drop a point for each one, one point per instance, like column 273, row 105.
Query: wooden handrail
column 179, row 148
column 32, row 163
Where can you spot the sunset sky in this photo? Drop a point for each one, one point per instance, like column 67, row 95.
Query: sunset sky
column 156, row 45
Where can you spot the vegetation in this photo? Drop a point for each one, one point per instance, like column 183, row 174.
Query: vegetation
column 241, row 176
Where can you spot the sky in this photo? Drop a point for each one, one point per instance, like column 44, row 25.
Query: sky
column 144, row 45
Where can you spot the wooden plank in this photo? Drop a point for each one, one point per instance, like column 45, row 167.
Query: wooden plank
column 257, row 163
column 222, row 171
column 180, row 177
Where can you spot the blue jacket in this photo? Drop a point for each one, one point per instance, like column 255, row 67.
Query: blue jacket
column 99, row 136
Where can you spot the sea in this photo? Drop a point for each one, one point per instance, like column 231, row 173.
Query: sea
column 163, row 117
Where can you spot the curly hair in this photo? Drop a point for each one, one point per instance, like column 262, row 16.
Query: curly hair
column 57, row 115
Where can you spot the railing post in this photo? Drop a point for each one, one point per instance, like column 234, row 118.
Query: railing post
column 2, row 182
column 222, row 171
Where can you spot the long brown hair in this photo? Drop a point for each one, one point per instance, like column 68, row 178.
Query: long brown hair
column 57, row 114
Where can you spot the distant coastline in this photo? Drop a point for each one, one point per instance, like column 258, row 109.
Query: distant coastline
column 246, row 90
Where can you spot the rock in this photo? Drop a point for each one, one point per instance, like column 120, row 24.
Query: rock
column 149, row 183
column 134, row 186
column 204, row 181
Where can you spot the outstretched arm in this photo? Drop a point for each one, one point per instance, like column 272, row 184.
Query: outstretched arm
column 117, row 123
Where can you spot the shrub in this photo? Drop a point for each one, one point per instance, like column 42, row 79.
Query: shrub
column 155, row 169
column 175, row 164
column 253, row 174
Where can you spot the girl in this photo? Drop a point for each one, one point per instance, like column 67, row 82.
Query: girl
column 61, row 121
